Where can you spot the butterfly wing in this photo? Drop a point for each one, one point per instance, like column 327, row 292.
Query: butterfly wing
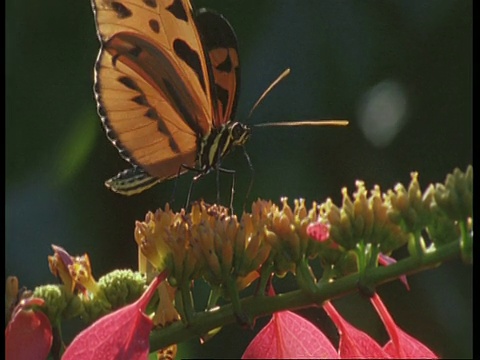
column 152, row 82
column 220, row 44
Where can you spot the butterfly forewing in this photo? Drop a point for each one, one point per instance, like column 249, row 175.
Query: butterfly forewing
column 220, row 43
column 152, row 82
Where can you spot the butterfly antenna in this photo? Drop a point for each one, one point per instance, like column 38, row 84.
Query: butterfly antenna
column 306, row 123
column 282, row 76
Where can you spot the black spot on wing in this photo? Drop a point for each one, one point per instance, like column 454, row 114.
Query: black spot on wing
column 177, row 9
column 191, row 58
column 129, row 83
column 164, row 130
column 226, row 65
column 152, row 114
column 179, row 105
column 135, row 51
column 154, row 25
column 151, row 3
column 141, row 100
column 215, row 30
column 173, row 145
column 122, row 11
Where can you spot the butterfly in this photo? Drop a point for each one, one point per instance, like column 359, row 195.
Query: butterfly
column 167, row 80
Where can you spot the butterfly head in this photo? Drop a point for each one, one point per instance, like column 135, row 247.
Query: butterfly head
column 239, row 133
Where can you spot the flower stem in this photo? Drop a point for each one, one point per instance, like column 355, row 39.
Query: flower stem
column 262, row 306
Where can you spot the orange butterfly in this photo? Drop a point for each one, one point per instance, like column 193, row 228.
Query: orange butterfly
column 166, row 84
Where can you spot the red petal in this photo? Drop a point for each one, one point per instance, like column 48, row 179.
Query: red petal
column 28, row 336
column 411, row 348
column 354, row 343
column 401, row 344
column 122, row 334
column 289, row 336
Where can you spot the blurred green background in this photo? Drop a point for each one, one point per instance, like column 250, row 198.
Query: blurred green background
column 400, row 71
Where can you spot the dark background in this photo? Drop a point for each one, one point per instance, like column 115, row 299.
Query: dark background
column 400, row 71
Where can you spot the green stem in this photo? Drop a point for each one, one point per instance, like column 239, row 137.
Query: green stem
column 179, row 304
column 466, row 243
column 373, row 257
column 262, row 306
column 213, row 297
column 241, row 315
column 363, row 252
column 416, row 245
column 265, row 273
column 361, row 262
column 184, row 299
column 305, row 278
column 58, row 347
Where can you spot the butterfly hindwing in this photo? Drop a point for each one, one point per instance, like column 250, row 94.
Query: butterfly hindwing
column 152, row 82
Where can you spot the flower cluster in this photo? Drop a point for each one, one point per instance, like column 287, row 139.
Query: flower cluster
column 209, row 242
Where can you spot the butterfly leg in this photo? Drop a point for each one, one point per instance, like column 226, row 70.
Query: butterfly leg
column 218, row 184
column 195, row 178
column 232, row 193
column 180, row 169
column 230, row 172
column 252, row 170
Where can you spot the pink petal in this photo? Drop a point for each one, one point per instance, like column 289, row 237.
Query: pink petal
column 123, row 334
column 411, row 348
column 401, row 344
column 290, row 336
column 354, row 343
column 318, row 231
